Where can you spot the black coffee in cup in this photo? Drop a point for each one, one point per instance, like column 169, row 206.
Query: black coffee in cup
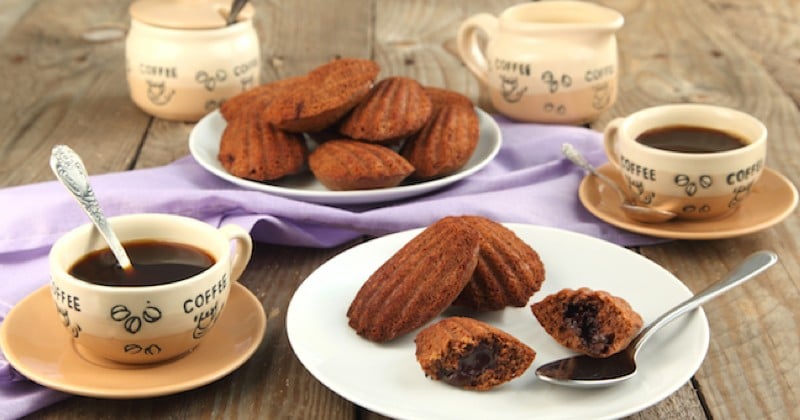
column 689, row 139
column 154, row 262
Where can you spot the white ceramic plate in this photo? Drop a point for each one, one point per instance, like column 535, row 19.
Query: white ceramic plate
column 204, row 146
column 386, row 378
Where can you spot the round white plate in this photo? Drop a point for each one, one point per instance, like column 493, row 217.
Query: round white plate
column 386, row 378
column 204, row 147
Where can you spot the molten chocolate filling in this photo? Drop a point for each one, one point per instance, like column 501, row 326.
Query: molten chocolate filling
column 471, row 365
column 582, row 318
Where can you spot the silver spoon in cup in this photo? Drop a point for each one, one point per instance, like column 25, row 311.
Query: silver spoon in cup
column 69, row 169
column 632, row 210
column 590, row 372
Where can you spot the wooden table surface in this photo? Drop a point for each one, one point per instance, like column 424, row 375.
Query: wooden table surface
column 57, row 88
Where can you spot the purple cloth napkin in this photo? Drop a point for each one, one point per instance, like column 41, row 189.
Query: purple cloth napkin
column 528, row 182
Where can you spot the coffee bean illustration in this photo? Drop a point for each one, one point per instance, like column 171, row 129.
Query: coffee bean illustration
column 151, row 314
column 133, row 324
column 119, row 313
column 690, row 186
column 133, row 348
column 152, row 350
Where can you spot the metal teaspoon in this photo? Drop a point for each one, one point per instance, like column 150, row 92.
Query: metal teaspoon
column 632, row 210
column 69, row 169
column 589, row 372
column 236, row 7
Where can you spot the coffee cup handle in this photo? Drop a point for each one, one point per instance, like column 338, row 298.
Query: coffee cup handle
column 243, row 249
column 468, row 47
column 610, row 139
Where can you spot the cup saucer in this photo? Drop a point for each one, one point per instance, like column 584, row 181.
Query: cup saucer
column 35, row 344
column 772, row 199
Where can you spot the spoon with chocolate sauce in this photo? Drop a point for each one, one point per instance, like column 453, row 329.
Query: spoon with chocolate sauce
column 69, row 169
column 631, row 209
column 589, row 372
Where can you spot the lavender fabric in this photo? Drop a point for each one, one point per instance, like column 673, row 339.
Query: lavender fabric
column 528, row 182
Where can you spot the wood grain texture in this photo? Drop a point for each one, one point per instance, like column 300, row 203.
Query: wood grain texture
column 692, row 54
column 58, row 88
column 771, row 30
column 297, row 36
column 61, row 89
column 683, row 404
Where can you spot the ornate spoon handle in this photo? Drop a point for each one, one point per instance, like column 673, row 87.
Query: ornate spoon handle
column 69, row 169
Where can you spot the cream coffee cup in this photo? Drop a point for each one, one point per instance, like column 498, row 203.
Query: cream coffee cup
column 699, row 161
column 548, row 62
column 141, row 324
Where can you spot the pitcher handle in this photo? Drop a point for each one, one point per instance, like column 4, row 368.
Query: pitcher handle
column 468, row 47
column 242, row 249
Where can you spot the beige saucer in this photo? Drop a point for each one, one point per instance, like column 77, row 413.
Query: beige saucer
column 37, row 346
column 771, row 200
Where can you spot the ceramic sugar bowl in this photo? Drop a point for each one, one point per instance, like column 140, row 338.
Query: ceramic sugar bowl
column 183, row 61
column 547, row 62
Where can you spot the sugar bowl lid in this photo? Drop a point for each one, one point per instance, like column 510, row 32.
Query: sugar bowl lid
column 186, row 14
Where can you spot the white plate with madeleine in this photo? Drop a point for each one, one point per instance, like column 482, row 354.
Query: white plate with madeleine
column 204, row 141
column 386, row 377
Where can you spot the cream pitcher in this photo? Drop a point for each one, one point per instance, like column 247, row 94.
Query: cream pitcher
column 547, row 62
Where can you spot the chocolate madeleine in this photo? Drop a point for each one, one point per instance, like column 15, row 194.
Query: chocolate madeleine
column 394, row 109
column 353, row 165
column 508, row 272
column 594, row 323
column 441, row 97
column 445, row 144
column 254, row 150
column 331, row 91
column 470, row 354
column 416, row 283
column 257, row 97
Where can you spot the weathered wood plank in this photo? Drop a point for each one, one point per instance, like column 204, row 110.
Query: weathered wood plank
column 417, row 39
column 750, row 370
column 683, row 404
column 771, row 29
column 61, row 89
column 10, row 13
column 58, row 88
column 686, row 51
